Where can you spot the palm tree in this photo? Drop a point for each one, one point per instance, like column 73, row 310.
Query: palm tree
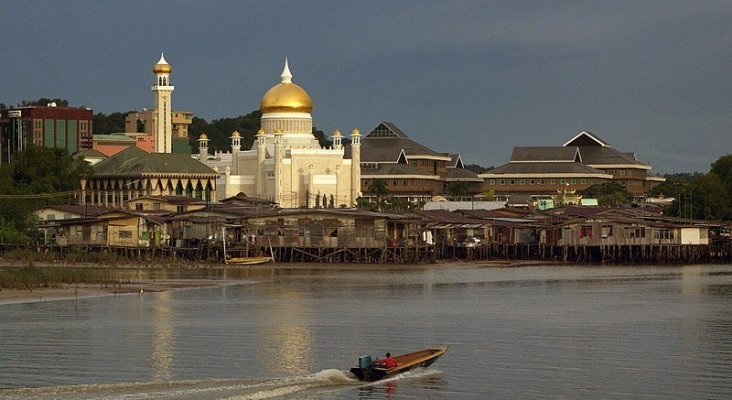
column 378, row 189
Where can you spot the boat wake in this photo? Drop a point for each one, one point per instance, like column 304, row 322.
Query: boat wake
column 325, row 381
column 328, row 380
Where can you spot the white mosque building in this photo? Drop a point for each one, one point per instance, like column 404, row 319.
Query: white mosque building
column 286, row 164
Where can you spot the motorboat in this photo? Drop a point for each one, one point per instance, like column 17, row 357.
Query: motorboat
column 369, row 369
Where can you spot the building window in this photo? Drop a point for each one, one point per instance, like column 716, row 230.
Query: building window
column 562, row 181
column 522, row 182
column 552, row 181
column 583, row 181
column 635, row 232
column 501, row 181
column 586, row 231
column 664, row 234
column 532, row 182
column 607, row 231
column 541, row 181
column 138, row 206
column 573, row 181
column 512, row 181
column 492, row 182
column 622, row 172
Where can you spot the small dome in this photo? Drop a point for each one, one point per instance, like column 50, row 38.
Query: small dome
column 162, row 67
column 286, row 97
column 236, row 134
column 203, row 137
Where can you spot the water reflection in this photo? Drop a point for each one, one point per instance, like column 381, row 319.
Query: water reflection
column 162, row 358
column 288, row 343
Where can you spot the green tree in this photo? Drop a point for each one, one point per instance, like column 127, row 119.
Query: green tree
column 378, row 188
column 44, row 101
column 322, row 139
column 478, row 169
column 219, row 131
column 457, row 189
column 105, row 124
column 35, row 171
column 673, row 185
column 723, row 169
column 609, row 194
column 705, row 197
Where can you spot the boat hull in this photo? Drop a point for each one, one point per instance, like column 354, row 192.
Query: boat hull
column 405, row 362
column 248, row 260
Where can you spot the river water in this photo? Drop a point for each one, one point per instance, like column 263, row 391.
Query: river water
column 545, row 332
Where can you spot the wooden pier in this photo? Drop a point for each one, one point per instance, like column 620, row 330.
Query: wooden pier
column 717, row 252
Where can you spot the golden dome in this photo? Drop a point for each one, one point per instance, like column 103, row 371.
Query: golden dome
column 203, row 137
column 286, row 97
column 162, row 67
column 235, row 134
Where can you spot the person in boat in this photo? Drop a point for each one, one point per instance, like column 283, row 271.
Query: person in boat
column 387, row 362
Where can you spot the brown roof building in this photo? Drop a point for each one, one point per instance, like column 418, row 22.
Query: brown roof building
column 583, row 161
column 408, row 169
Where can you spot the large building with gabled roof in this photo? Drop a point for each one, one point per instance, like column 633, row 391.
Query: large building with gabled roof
column 134, row 173
column 409, row 169
column 583, row 161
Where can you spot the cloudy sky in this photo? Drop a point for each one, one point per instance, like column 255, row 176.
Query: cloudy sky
column 472, row 77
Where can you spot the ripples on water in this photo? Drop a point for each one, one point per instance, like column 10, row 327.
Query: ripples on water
column 533, row 332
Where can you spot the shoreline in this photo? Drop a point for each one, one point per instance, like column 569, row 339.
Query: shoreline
column 86, row 291
column 142, row 286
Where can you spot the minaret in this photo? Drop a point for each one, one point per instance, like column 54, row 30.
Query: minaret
column 337, row 143
column 203, row 147
column 279, row 154
column 163, row 129
column 235, row 142
column 261, row 155
column 355, row 166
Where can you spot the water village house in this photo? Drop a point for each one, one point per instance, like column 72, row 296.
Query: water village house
column 100, row 227
column 594, row 226
column 167, row 204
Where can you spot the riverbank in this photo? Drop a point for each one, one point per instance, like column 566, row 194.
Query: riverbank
column 115, row 280
column 81, row 291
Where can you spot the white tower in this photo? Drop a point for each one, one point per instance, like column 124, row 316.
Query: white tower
column 163, row 129
column 203, row 147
